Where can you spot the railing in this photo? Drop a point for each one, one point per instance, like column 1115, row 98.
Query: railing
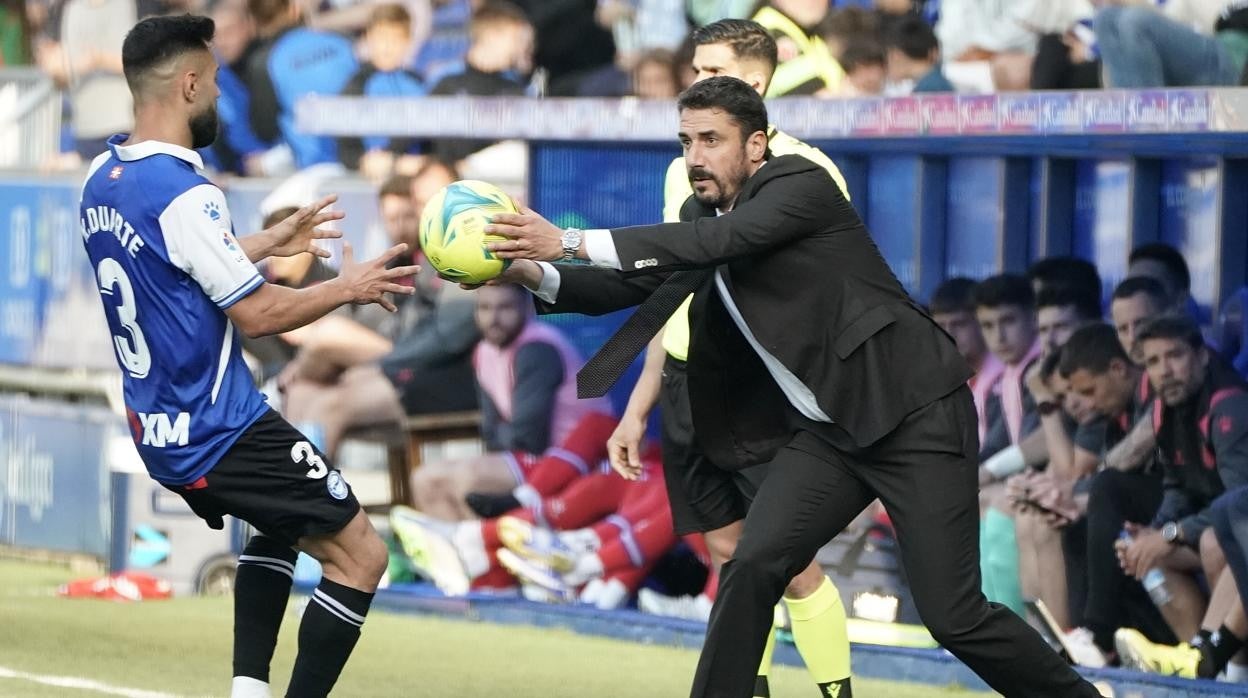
column 30, row 118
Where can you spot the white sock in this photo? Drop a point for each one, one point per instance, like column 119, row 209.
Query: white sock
column 587, row 567
column 1236, row 673
column 612, row 596
column 471, row 547
column 247, row 687
column 527, row 496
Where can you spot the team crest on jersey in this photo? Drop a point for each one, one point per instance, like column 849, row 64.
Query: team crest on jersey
column 336, row 485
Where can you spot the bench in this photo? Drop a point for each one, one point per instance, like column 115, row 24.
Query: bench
column 419, row 430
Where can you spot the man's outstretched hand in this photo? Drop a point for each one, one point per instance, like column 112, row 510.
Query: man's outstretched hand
column 298, row 231
column 529, row 236
column 521, row 271
column 369, row 282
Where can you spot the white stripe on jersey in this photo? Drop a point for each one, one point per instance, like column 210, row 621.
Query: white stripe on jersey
column 224, row 361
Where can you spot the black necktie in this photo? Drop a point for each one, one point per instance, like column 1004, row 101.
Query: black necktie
column 605, row 368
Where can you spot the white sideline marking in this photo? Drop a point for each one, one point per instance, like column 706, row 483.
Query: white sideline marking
column 82, row 684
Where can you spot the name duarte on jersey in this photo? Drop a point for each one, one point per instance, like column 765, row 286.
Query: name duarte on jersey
column 101, row 219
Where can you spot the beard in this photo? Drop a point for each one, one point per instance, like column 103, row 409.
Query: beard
column 727, row 186
column 204, row 128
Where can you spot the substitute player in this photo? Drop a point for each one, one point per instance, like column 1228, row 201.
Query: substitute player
column 176, row 284
column 705, row 498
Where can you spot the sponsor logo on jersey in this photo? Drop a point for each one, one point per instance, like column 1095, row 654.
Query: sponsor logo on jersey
column 336, row 485
column 159, row 430
column 213, row 211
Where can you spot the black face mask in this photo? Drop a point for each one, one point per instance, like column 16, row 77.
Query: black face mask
column 204, row 128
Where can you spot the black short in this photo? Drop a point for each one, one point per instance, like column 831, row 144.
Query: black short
column 276, row 480
column 703, row 496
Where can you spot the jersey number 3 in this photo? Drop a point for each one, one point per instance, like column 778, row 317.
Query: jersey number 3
column 132, row 351
column 302, row 452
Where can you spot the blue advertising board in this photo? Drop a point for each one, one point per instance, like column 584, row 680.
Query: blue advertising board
column 54, row 491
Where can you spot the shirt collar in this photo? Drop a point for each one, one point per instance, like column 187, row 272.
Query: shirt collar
column 143, row 149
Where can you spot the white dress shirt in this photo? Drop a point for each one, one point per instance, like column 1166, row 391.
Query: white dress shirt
column 601, row 251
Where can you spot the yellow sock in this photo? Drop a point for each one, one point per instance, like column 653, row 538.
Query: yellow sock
column 762, row 688
column 820, row 634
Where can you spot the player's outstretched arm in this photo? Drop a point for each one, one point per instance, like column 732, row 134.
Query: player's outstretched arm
column 296, row 234
column 274, row 309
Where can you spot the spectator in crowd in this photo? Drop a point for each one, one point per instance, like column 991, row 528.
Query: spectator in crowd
column 92, row 32
column 448, row 40
column 16, row 34
column 388, row 43
column 526, row 379
column 914, row 57
column 1160, row 261
column 1201, row 415
column 287, row 63
column 571, row 45
column 333, row 384
column 1005, row 308
column 806, row 65
column 1184, row 43
column 1066, row 50
column 704, row 12
column 501, row 49
column 863, row 63
column 846, row 25
column 1100, row 371
column 232, row 41
column 640, row 26
column 953, row 308
column 352, row 18
column 655, row 76
column 1137, row 300
column 989, row 31
column 1042, row 562
column 891, row 13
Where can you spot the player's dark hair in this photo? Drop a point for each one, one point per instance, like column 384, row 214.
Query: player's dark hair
column 914, row 38
column 1168, row 257
column 1074, row 272
column 955, row 295
column 1005, row 289
column 495, row 13
column 398, row 185
column 1171, row 327
column 156, row 40
column 1092, row 348
column 746, row 38
column 861, row 52
column 1049, row 365
column 734, row 96
column 1143, row 284
column 1060, row 296
column 390, row 13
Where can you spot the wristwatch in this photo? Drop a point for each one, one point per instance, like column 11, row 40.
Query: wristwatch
column 1170, row 532
column 1048, row 407
column 571, row 243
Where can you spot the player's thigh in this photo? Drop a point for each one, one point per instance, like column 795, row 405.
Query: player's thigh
column 275, row 479
column 809, row 495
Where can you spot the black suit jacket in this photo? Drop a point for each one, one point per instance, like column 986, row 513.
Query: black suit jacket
column 815, row 292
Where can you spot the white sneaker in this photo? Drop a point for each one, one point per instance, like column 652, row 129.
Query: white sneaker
column 1083, row 650
column 247, row 687
column 688, row 607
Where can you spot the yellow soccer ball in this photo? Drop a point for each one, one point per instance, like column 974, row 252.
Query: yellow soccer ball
column 452, row 230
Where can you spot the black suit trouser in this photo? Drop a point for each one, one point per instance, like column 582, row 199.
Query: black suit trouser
column 926, row 474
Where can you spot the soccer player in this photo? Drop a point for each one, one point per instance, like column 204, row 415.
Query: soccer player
column 705, row 498
column 177, row 287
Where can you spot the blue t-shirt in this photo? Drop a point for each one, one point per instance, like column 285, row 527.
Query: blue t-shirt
column 162, row 246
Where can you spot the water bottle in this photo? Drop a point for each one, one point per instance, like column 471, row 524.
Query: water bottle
column 1154, row 581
